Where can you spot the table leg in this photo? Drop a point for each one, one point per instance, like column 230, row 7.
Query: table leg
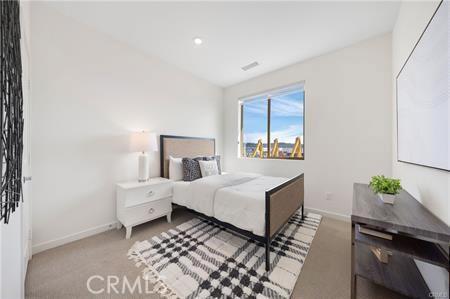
column 128, row 234
column 353, row 275
column 169, row 217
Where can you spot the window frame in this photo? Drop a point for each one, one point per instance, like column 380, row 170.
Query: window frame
column 300, row 85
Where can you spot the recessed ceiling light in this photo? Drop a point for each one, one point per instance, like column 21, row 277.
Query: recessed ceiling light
column 198, row 41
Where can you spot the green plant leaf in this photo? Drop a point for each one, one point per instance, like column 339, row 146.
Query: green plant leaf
column 382, row 184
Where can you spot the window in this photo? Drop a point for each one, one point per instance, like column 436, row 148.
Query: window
column 272, row 124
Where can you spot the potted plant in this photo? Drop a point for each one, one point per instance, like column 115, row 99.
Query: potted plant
column 386, row 188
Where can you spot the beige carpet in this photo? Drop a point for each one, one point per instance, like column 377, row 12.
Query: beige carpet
column 63, row 272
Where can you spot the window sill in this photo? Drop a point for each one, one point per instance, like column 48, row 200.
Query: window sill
column 272, row 158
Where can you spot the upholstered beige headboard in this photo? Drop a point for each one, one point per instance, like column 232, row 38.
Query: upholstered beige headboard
column 181, row 147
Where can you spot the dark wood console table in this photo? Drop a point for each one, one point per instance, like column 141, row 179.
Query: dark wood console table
column 416, row 234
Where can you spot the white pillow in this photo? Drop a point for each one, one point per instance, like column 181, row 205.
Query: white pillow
column 175, row 169
column 208, row 168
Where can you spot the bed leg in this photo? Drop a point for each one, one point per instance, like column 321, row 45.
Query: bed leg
column 268, row 255
column 303, row 212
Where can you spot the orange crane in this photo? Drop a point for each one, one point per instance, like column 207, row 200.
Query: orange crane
column 259, row 149
column 297, row 150
column 275, row 149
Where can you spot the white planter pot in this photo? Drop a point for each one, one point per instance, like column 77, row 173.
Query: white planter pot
column 387, row 198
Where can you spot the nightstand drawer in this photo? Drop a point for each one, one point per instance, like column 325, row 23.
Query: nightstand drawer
column 146, row 194
column 147, row 211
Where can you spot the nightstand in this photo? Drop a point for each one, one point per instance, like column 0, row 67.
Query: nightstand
column 141, row 202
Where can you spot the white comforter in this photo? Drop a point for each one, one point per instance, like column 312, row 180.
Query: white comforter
column 244, row 205
column 203, row 191
column 238, row 199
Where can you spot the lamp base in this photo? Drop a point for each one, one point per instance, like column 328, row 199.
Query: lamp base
column 143, row 168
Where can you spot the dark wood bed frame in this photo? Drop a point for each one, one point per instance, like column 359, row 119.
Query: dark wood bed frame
column 281, row 202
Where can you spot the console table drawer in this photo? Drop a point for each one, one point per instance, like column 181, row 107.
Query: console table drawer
column 415, row 248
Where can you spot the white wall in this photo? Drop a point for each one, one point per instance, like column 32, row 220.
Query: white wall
column 429, row 186
column 347, row 122
column 89, row 92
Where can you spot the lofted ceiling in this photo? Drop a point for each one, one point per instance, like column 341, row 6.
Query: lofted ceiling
column 235, row 34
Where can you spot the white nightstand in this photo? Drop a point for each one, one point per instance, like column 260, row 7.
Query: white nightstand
column 141, row 202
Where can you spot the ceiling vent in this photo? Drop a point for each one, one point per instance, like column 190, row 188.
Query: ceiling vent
column 250, row 66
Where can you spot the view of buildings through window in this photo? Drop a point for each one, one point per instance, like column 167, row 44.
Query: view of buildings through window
column 272, row 124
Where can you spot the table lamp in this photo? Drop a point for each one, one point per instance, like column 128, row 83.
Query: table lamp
column 143, row 142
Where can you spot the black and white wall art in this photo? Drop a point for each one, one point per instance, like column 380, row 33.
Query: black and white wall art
column 11, row 109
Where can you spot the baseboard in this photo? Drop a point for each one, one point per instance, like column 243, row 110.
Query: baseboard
column 109, row 226
column 73, row 237
column 333, row 215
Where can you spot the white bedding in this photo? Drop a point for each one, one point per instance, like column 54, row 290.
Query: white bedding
column 244, row 205
column 181, row 192
column 238, row 198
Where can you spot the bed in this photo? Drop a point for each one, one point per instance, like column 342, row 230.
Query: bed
column 250, row 204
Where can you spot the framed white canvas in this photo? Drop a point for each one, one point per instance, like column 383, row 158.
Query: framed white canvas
column 423, row 97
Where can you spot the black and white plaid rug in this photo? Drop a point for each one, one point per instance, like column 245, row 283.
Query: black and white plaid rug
column 199, row 259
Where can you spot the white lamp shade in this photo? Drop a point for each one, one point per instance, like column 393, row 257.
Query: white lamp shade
column 143, row 142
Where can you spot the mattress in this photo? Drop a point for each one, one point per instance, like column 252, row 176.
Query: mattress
column 238, row 198
column 180, row 192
